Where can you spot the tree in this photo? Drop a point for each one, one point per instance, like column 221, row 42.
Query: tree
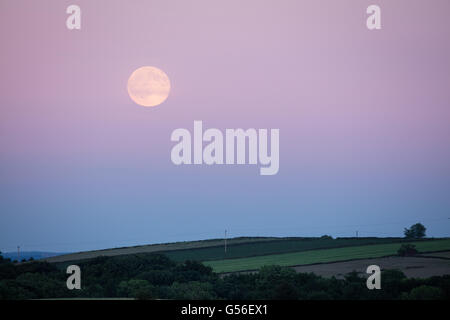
column 407, row 250
column 416, row 231
column 285, row 291
column 424, row 292
column 193, row 290
column 134, row 288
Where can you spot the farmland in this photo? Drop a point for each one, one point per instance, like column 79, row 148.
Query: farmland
column 269, row 247
column 420, row 266
column 247, row 253
column 269, row 268
column 153, row 248
column 322, row 256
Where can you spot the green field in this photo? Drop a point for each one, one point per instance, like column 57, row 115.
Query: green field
column 270, row 247
column 155, row 248
column 213, row 249
column 322, row 256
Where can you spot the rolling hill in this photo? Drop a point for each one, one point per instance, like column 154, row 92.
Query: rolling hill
column 246, row 253
column 322, row 256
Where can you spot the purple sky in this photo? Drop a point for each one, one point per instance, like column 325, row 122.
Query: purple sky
column 364, row 119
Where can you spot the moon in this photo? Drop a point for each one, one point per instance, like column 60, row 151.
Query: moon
column 148, row 86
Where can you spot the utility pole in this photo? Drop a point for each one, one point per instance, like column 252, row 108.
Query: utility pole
column 18, row 253
column 225, row 241
column 357, row 233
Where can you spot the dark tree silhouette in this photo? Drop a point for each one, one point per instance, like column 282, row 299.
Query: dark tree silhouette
column 416, row 231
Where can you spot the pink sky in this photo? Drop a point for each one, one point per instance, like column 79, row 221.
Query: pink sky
column 364, row 117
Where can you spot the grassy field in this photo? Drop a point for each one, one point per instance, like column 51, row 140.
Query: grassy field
column 322, row 256
column 270, row 247
column 213, row 249
column 153, row 248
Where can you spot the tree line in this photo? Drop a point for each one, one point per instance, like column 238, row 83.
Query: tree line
column 155, row 276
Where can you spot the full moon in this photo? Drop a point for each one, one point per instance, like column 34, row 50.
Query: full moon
column 148, row 86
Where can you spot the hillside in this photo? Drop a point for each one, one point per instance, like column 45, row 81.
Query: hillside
column 155, row 276
column 153, row 248
column 264, row 249
column 323, row 256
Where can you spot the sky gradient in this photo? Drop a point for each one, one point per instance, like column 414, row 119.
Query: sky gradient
column 364, row 119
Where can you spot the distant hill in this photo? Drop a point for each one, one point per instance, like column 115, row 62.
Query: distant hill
column 36, row 255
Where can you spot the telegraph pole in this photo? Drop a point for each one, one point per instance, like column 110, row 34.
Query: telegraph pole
column 225, row 241
column 18, row 253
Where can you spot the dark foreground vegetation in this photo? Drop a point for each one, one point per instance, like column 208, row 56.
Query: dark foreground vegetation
column 156, row 276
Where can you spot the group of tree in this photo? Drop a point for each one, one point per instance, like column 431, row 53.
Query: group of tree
column 154, row 276
column 416, row 231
